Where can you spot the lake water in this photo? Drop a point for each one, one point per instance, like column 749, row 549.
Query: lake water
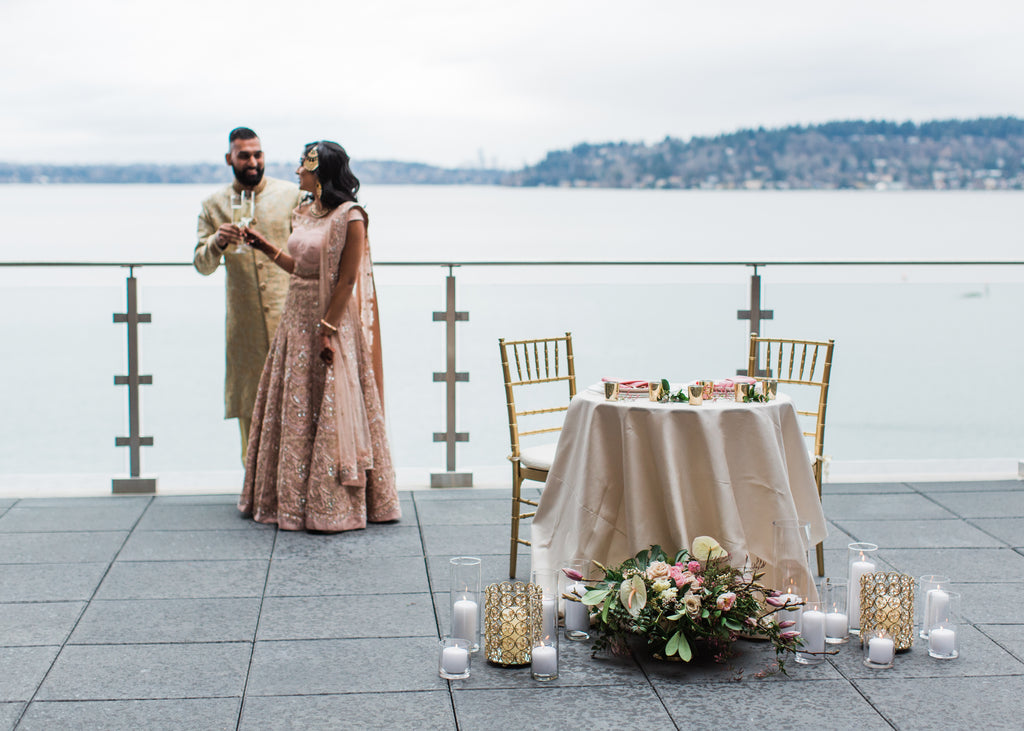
column 926, row 357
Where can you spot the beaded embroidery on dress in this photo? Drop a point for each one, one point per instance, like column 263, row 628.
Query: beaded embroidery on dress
column 318, row 453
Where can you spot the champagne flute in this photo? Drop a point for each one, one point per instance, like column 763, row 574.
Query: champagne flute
column 243, row 211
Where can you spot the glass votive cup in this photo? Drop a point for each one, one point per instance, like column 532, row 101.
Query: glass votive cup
column 696, row 393
column 743, row 391
column 547, row 580
column 611, row 391
column 454, row 658
column 465, row 599
column 576, row 613
column 834, row 595
column 879, row 648
column 862, row 559
column 544, row 659
column 654, row 390
column 769, row 389
column 944, row 630
column 812, row 632
column 931, row 598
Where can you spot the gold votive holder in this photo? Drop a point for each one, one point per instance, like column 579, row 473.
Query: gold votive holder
column 654, row 391
column 696, row 392
column 611, row 391
column 770, row 389
column 512, row 622
column 887, row 604
column 709, row 389
column 743, row 392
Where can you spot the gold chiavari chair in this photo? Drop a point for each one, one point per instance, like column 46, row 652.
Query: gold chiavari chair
column 534, row 371
column 802, row 363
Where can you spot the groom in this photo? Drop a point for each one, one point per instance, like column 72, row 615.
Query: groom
column 255, row 287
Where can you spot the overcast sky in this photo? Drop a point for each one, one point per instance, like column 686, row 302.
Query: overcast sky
column 451, row 82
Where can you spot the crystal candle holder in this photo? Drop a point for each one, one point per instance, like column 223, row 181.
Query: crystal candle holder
column 944, row 627
column 512, row 617
column 862, row 558
column 465, row 599
column 887, row 603
column 933, row 589
column 454, row 659
column 879, row 648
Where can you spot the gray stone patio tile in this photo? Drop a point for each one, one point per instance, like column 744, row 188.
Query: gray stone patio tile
column 313, row 577
column 837, row 538
column 414, row 710
column 23, row 670
column 918, row 533
column 992, row 603
column 470, row 493
column 198, row 516
column 7, row 502
column 113, row 516
column 222, row 499
column 9, row 712
column 465, row 512
column 493, row 569
column 340, row 617
column 47, row 623
column 210, row 714
column 978, row 656
column 980, row 485
column 976, row 504
column 963, row 565
column 469, row 540
column 751, row 657
column 60, row 547
column 864, row 488
column 575, row 668
column 183, row 579
column 293, row 667
column 113, row 672
column 82, row 502
column 393, row 539
column 1010, row 530
column 946, row 703
column 50, row 582
column 197, row 545
column 600, row 708
column 910, row 506
column 826, row 704
column 168, row 620
column 1009, row 636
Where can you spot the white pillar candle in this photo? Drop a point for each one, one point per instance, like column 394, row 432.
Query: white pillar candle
column 881, row 650
column 549, row 617
column 837, row 624
column 577, row 614
column 464, row 619
column 544, row 660
column 942, row 641
column 857, row 569
column 936, row 606
column 812, row 630
column 454, row 660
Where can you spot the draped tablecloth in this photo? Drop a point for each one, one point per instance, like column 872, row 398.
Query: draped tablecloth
column 628, row 474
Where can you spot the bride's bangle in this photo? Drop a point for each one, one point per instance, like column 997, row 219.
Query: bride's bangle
column 278, row 254
column 328, row 326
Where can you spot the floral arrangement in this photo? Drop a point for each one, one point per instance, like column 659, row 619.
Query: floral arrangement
column 697, row 598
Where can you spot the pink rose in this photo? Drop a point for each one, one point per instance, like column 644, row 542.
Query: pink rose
column 693, row 567
column 726, row 600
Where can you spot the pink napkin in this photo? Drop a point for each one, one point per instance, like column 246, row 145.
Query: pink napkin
column 627, row 384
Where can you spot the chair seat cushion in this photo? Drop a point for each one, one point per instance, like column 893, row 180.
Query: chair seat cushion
column 539, row 457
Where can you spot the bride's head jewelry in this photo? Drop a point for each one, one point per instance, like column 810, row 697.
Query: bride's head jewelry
column 312, row 160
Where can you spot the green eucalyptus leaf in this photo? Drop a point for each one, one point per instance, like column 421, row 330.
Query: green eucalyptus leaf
column 732, row 624
column 658, row 553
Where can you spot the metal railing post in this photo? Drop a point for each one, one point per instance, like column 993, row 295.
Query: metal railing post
column 134, row 483
column 450, row 377
column 755, row 314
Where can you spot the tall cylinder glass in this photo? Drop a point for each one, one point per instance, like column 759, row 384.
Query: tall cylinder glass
column 465, row 593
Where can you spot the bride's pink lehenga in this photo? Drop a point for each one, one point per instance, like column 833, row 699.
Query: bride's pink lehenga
column 318, row 454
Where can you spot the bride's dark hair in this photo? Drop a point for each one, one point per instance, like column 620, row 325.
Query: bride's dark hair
column 338, row 184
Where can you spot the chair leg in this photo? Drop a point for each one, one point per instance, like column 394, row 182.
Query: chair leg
column 517, row 482
column 820, row 550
